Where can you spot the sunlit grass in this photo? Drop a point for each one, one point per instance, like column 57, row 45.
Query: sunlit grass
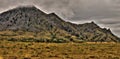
column 33, row 50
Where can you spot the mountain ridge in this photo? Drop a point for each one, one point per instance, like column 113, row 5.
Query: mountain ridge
column 34, row 20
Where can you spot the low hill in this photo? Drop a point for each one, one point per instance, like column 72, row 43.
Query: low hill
column 50, row 27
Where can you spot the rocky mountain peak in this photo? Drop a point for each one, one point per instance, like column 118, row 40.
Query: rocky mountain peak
column 30, row 18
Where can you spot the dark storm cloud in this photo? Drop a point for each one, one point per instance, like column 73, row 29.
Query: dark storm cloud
column 105, row 12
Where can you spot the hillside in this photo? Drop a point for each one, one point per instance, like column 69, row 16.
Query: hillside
column 35, row 24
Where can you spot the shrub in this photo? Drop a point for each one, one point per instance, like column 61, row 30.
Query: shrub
column 12, row 39
column 59, row 40
column 27, row 39
column 78, row 41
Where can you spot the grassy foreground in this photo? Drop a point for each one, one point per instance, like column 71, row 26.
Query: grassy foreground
column 32, row 50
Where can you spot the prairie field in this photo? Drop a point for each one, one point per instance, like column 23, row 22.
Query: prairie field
column 34, row 50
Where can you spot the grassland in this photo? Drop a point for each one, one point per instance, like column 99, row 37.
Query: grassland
column 33, row 50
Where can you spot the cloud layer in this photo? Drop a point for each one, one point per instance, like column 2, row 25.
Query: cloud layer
column 105, row 12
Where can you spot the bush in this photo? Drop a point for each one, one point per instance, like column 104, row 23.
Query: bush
column 55, row 40
column 12, row 39
column 59, row 40
column 27, row 40
column 78, row 41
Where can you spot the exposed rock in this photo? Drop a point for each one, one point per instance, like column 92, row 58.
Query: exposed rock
column 35, row 20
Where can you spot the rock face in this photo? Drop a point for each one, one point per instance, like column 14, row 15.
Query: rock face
column 32, row 19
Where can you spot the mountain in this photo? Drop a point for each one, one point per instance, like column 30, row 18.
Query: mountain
column 32, row 19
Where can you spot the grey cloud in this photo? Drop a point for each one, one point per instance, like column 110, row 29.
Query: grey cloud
column 82, row 9
column 110, row 21
column 116, row 31
column 73, row 9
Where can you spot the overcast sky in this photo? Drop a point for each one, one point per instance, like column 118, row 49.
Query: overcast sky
column 106, row 13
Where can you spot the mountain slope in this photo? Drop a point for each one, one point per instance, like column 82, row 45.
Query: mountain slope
column 32, row 19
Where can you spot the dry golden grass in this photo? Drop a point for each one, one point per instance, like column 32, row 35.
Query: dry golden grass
column 32, row 50
column 1, row 57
